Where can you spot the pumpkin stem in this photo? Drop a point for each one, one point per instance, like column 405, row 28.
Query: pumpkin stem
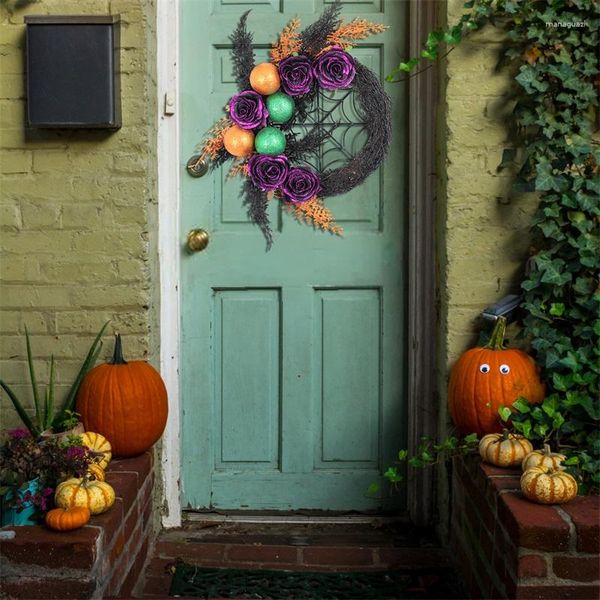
column 547, row 450
column 118, row 353
column 497, row 338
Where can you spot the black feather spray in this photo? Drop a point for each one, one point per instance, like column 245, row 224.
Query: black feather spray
column 314, row 37
column 242, row 53
column 257, row 202
column 299, row 149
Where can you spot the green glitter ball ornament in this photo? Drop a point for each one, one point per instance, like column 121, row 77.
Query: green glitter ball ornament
column 269, row 141
column 281, row 107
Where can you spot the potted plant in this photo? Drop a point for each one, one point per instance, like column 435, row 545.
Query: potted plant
column 31, row 469
column 47, row 420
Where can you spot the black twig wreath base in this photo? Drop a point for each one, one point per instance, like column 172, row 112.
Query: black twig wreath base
column 280, row 97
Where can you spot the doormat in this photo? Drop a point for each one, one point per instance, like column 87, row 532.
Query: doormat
column 208, row 583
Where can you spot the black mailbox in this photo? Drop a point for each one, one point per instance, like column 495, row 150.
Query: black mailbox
column 73, row 71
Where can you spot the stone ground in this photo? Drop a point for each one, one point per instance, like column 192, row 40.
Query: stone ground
column 302, row 544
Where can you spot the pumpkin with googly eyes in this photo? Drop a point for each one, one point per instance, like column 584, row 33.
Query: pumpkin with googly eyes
column 486, row 378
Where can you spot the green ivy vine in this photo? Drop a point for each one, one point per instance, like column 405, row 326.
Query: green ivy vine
column 552, row 47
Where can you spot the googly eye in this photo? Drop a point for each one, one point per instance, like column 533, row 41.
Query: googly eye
column 504, row 369
column 484, row 368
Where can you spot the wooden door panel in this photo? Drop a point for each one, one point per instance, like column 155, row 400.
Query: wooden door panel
column 349, row 368
column 247, row 358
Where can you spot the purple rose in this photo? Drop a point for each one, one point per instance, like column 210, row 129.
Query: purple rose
column 296, row 75
column 301, row 185
column 335, row 70
column 248, row 110
column 268, row 172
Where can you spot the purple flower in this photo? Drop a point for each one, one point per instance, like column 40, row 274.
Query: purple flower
column 76, row 452
column 19, row 434
column 301, row 185
column 296, row 75
column 248, row 110
column 268, row 172
column 335, row 70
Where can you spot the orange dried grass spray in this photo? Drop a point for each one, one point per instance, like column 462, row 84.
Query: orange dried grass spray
column 213, row 142
column 314, row 213
column 357, row 29
column 238, row 168
column 289, row 42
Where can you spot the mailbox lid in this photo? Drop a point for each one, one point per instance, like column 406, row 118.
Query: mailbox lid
column 73, row 71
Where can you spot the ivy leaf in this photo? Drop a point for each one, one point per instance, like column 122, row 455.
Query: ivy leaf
column 373, row 489
column 392, row 475
column 408, row 66
column 429, row 54
column 532, row 54
column 505, row 413
column 521, row 405
column 472, row 438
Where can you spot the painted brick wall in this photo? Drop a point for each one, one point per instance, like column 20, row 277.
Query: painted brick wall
column 485, row 233
column 482, row 235
column 77, row 210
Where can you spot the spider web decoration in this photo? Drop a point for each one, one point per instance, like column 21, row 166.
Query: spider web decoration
column 338, row 134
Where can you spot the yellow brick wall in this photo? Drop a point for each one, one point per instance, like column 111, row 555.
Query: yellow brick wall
column 77, row 211
column 483, row 235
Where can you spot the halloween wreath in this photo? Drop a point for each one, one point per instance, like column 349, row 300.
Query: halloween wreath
column 261, row 134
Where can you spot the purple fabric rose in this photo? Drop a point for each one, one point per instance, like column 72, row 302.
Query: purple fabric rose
column 268, row 172
column 301, row 185
column 296, row 75
column 248, row 110
column 335, row 70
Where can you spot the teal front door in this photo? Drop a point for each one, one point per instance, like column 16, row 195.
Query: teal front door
column 293, row 360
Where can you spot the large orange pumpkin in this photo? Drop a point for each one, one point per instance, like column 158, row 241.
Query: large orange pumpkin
column 486, row 378
column 124, row 401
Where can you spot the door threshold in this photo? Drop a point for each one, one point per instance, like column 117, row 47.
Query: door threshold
column 213, row 517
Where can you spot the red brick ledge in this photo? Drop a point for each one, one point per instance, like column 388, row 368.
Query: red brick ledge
column 102, row 559
column 508, row 547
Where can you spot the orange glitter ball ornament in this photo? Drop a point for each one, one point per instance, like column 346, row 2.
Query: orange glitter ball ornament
column 238, row 142
column 264, row 79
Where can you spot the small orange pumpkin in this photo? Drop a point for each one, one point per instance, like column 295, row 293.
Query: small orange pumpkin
column 125, row 402
column 484, row 379
column 66, row 519
column 548, row 485
column 504, row 449
column 542, row 458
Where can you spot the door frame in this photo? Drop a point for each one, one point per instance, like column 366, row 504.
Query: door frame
column 421, row 254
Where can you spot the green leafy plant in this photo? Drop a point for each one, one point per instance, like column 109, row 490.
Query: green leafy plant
column 427, row 454
column 551, row 47
column 46, row 417
column 23, row 459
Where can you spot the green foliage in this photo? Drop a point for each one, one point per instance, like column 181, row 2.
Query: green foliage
column 552, row 47
column 427, row 454
column 45, row 416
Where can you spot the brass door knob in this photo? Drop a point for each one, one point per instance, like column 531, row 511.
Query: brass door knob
column 197, row 240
